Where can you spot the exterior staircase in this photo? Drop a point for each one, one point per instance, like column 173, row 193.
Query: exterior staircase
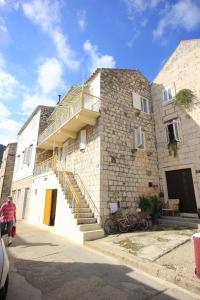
column 190, row 223
column 85, row 220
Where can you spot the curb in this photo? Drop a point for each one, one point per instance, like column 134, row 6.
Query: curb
column 149, row 267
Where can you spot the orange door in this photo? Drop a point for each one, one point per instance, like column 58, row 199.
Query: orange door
column 47, row 208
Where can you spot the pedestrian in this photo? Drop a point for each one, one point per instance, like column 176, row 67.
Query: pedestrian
column 8, row 217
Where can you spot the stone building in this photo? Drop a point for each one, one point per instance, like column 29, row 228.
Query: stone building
column 2, row 147
column 102, row 138
column 25, row 158
column 6, row 170
column 178, row 128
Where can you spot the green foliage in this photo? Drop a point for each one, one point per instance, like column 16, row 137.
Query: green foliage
column 148, row 204
column 184, row 98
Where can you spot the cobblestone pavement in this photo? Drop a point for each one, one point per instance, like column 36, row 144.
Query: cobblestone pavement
column 46, row 266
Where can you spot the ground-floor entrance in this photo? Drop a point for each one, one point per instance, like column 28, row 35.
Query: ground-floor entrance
column 50, row 207
column 180, row 186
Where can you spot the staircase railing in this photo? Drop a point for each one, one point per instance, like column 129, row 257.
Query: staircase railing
column 72, row 196
column 87, row 196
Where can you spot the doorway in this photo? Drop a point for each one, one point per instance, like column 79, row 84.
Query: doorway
column 50, row 207
column 180, row 186
column 26, row 193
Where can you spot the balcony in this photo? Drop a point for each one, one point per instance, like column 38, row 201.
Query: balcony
column 79, row 110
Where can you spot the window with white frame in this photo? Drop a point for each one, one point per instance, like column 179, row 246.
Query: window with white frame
column 139, row 138
column 140, row 102
column 168, row 93
column 172, row 132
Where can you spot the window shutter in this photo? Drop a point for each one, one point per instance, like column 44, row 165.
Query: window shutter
column 136, row 101
column 176, row 130
column 82, row 139
column 173, row 89
column 138, row 137
column 167, row 134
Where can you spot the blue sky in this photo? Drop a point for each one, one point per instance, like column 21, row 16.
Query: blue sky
column 48, row 45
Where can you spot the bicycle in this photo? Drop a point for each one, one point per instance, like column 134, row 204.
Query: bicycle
column 133, row 222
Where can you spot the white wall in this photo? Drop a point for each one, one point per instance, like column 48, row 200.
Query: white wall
column 65, row 224
column 27, row 137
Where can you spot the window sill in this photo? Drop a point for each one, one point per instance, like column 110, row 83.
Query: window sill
column 168, row 102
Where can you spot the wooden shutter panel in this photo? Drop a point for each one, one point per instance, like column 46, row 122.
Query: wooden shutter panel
column 82, row 139
column 136, row 101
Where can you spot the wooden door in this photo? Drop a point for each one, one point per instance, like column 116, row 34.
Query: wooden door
column 180, row 186
column 47, row 208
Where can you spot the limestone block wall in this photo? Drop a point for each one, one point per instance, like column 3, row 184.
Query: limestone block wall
column 6, row 171
column 125, row 174
column 183, row 70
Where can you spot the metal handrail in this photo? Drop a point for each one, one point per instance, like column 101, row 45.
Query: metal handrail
column 70, row 193
column 87, row 196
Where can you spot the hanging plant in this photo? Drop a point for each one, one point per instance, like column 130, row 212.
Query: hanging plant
column 173, row 147
column 184, row 98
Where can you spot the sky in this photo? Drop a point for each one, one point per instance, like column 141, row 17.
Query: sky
column 46, row 46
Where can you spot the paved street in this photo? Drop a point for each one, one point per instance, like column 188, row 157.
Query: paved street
column 45, row 266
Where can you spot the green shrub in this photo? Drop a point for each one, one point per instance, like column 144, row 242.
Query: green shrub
column 147, row 204
column 184, row 98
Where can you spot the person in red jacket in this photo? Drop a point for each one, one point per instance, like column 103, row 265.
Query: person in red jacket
column 8, row 217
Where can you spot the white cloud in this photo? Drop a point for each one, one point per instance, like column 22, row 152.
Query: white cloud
column 81, row 15
column 32, row 101
column 8, row 127
column 2, row 3
column 98, row 60
column 8, row 85
column 50, row 75
column 135, row 6
column 184, row 14
column 4, row 34
column 4, row 112
column 46, row 14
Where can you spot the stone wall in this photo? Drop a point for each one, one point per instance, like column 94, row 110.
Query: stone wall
column 125, row 173
column 6, row 171
column 183, row 70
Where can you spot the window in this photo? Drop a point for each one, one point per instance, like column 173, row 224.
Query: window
column 27, row 155
column 168, row 93
column 172, row 131
column 83, row 139
column 140, row 102
column 139, row 138
column 145, row 105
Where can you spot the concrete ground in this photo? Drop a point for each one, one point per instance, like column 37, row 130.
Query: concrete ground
column 45, row 266
column 164, row 253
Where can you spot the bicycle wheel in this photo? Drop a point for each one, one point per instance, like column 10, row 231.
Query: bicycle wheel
column 123, row 226
column 144, row 224
column 110, row 226
column 133, row 221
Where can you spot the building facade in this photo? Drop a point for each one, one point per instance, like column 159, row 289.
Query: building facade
column 178, row 128
column 2, row 147
column 6, row 170
column 103, row 138
column 25, row 158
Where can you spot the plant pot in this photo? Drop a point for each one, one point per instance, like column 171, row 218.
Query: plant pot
column 198, row 212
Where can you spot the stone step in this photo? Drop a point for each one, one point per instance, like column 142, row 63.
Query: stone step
column 181, row 219
column 86, row 215
column 84, row 210
column 93, row 235
column 89, row 227
column 176, row 223
column 87, row 220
